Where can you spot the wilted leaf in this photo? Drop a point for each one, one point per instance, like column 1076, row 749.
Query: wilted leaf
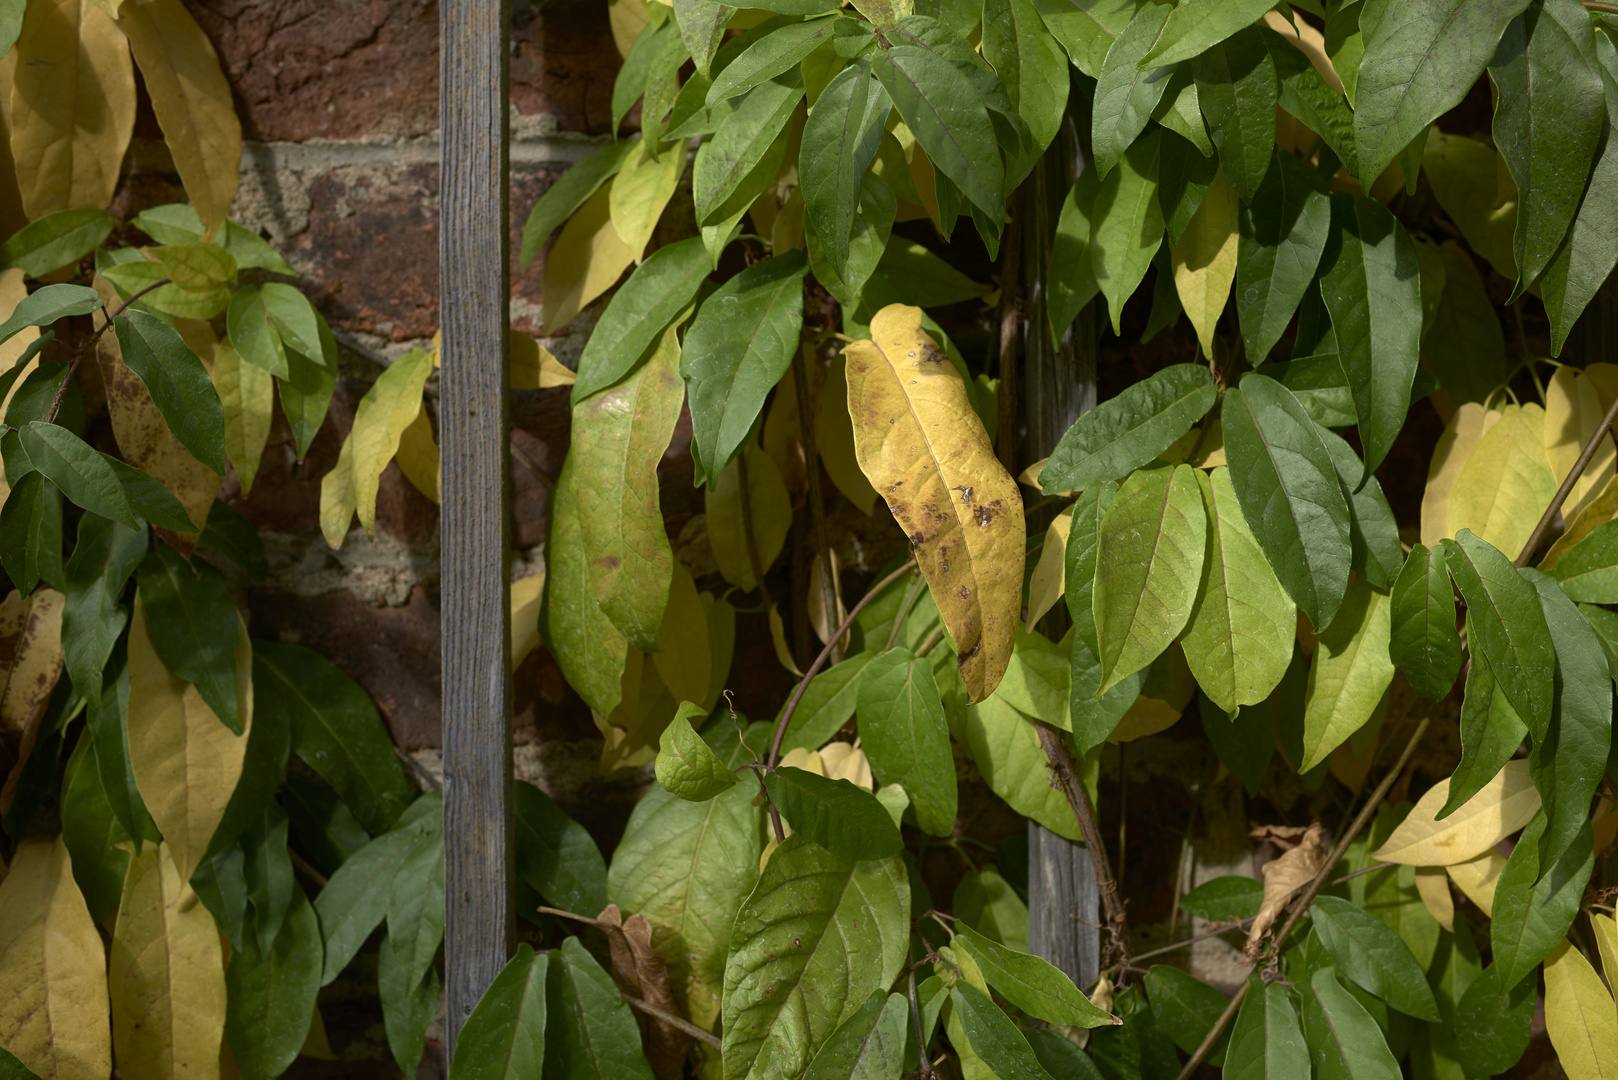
column 1283, row 878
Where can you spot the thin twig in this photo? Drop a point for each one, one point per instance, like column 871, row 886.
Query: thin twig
column 1362, row 873
column 1228, row 928
column 1065, row 770
column 921, row 1035
column 78, row 354
column 429, row 782
column 670, row 1019
column 1310, row 893
column 797, row 695
column 1589, row 452
column 817, row 505
column 930, row 644
column 747, row 526
column 304, row 867
column 1597, row 5
column 912, row 591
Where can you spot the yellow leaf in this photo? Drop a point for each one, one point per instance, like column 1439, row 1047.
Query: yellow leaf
column 1572, row 413
column 834, row 438
column 418, row 454
column 1309, row 41
column 631, row 732
column 12, row 291
column 532, row 365
column 12, row 215
column 925, row 451
column 248, row 395
column 1350, row 674
column 387, row 408
column 1461, row 436
column 72, row 106
column 1605, row 377
column 778, row 637
column 34, row 667
column 167, row 973
column 771, row 512
column 786, row 231
column 584, row 262
column 186, row 762
column 846, row 761
column 1205, row 259
column 192, row 101
column 628, row 19
column 53, row 969
column 1477, row 877
column 1580, row 1017
column 1500, row 808
column 1045, row 586
column 640, row 191
column 1147, row 716
column 1506, row 484
column 1475, row 188
column 315, row 1044
column 1211, row 454
column 683, row 662
column 1433, row 884
column 1606, row 934
column 1599, row 509
column 526, row 594
column 337, row 500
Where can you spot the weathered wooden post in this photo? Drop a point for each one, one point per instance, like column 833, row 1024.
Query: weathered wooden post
column 473, row 298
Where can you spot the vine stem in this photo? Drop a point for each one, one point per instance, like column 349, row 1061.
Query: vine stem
column 704, row 1037
column 803, row 684
column 78, row 354
column 1577, row 471
column 1596, row 5
column 1064, row 769
column 1319, row 882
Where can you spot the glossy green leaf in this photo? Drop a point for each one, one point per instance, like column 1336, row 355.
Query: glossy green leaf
column 1493, row 1022
column 1129, row 430
column 1344, row 1040
column 840, row 140
column 1425, row 645
column 1289, row 493
column 1491, row 732
column 1006, row 748
column 1420, row 59
column 1185, row 1008
column 1239, row 89
column 1087, row 28
column 745, row 149
column 555, row 855
column 638, row 314
column 44, row 306
column 31, row 533
column 93, row 834
column 1030, row 65
column 1588, row 572
column 1126, row 223
column 1351, row 672
column 1282, row 233
column 56, row 240
column 1225, row 899
column 1266, row 1041
column 416, row 908
column 1184, row 173
column 407, row 1008
column 1125, row 95
column 1072, row 279
column 569, row 192
column 1534, row 902
column 180, row 386
column 504, row 1038
column 78, row 471
column 1200, row 24
column 1465, row 347
column 589, row 649
column 903, row 733
column 1547, row 123
column 941, row 108
column 1092, row 716
column 1506, row 625
column 270, row 994
column 254, row 334
column 1029, row 982
column 827, row 704
column 1149, row 561
column 1366, row 951
column 686, row 766
column 992, row 1036
column 355, row 901
column 307, row 388
column 1314, row 102
column 842, row 818
column 92, row 618
column 869, row 1045
column 590, row 1034
column 194, row 627
column 1180, row 111
column 1377, row 554
column 769, row 56
column 817, row 936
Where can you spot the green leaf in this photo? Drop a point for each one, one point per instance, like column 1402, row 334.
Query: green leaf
column 325, row 829
column 984, row 900
column 1374, row 957
column 44, row 306
column 639, row 313
column 56, row 240
column 253, row 333
column 270, row 994
column 1244, row 742
column 1491, row 732
column 1225, row 899
column 1092, row 718
column 1282, row 233
column 555, row 855
column 1006, row 748
column 1344, row 1040
column 1126, row 223
column 1289, row 493
column 269, row 744
column 1087, row 28
column 1030, row 65
column 840, row 817
column 992, row 1036
column 1313, row 101
column 1424, row 643
column 355, row 899
column 92, row 618
column 941, row 108
column 840, row 140
column 827, row 704
column 590, row 1033
column 195, row 627
column 1266, row 1041
column 1200, row 24
column 1184, row 173
column 1493, row 1022
column 1239, row 90
column 1506, row 627
column 873, row 226
column 1547, row 123
column 230, row 534
column 1420, row 59
column 702, row 25
column 150, row 499
column 1186, row 1008
column 31, row 533
column 1125, row 95
column 336, row 729
column 569, row 193
column 1588, row 572
column 1465, row 347
column 869, row 1045
column 416, row 908
column 180, row 386
column 817, row 936
column 1319, row 385
column 177, row 223
column 1071, row 282
column 1129, row 430
column 746, row 151
column 1351, row 672
column 904, row 735
column 92, row 834
column 1180, row 111
column 1238, row 642
column 1028, row 982
column 1535, row 903
column 738, row 346
column 589, row 649
column 504, row 1038
column 295, row 321
column 1036, row 680
column 307, row 388
column 770, row 55
column 79, row 471
column 1149, row 562
column 686, row 766
column 407, row 1008
column 1377, row 554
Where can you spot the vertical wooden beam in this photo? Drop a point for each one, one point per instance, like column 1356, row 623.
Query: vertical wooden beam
column 473, row 253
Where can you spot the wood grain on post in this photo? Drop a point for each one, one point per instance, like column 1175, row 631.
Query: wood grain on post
column 473, row 251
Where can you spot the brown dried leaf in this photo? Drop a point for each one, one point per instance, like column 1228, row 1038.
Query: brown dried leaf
column 640, row 972
column 1283, row 878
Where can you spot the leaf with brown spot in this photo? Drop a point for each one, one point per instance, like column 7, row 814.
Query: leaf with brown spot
column 30, row 676
column 640, row 972
column 921, row 444
column 1283, row 878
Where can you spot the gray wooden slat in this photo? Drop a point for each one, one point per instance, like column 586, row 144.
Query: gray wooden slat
column 473, row 435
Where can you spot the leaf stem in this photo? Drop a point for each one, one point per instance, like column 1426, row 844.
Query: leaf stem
column 78, row 354
column 921, row 1036
column 1597, row 5
column 911, row 593
column 707, row 1038
column 1229, row 928
column 1573, row 475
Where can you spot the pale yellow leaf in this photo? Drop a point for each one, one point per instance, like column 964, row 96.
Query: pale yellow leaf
column 337, row 500
column 1350, row 674
column 631, row 732
column 627, row 19
column 186, row 762
column 807, row 760
column 1606, row 935
column 1205, row 259
column 771, row 512
column 1501, row 807
column 1605, row 827
column 1507, row 483
column 834, row 438
column 32, row 671
column 13, row 620
column 1351, row 762
column 248, row 395
column 640, row 191
column 786, row 231
column 1283, row 877
column 12, row 291
column 1030, row 475
column 167, row 973
column 1605, row 377
column 1309, row 41
column 584, row 262
column 1147, row 716
column 315, row 1044
column 53, row 973
column 1211, row 454
column 1476, row 878
column 526, row 594
column 1432, row 882
column 1580, row 1016
column 1572, row 413
column 846, row 761
column 72, row 106
column 921, row 444
column 533, row 367
column 12, row 215
column 1461, row 436
column 418, row 455
column 683, row 662
column 388, row 407
column 778, row 637
column 1045, row 585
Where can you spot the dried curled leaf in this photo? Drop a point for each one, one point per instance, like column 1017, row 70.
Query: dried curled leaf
column 1283, row 878
column 925, row 451
column 641, row 973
